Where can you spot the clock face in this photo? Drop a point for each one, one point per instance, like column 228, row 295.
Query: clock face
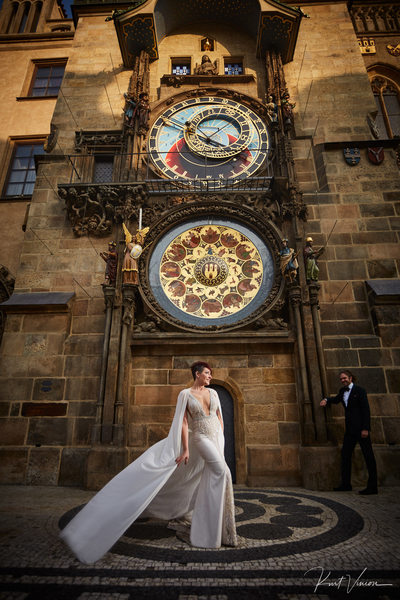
column 211, row 272
column 208, row 138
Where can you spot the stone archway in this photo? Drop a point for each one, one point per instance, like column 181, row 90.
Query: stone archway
column 227, row 405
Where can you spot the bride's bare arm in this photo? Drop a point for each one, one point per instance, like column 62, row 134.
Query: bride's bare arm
column 184, row 457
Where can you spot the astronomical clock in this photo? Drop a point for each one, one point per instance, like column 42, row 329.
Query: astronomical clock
column 208, row 138
column 212, row 263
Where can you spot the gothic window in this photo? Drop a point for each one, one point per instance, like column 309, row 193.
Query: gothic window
column 47, row 79
column 38, row 10
column 103, row 168
column 180, row 66
column 13, row 15
column 22, row 173
column 24, row 18
column 233, row 66
column 387, row 98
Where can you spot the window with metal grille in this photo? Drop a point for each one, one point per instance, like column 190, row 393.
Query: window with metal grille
column 47, row 79
column 233, row 67
column 22, row 174
column 103, row 169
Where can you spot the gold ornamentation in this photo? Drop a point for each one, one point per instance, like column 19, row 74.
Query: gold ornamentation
column 393, row 50
column 211, row 271
column 367, row 45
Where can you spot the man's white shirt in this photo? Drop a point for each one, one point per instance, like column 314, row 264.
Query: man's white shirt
column 346, row 394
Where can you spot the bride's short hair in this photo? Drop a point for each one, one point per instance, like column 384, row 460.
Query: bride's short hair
column 198, row 367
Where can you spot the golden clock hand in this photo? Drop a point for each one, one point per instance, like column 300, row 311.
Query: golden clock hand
column 171, row 122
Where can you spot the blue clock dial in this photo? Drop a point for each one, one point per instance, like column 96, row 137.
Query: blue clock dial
column 208, row 138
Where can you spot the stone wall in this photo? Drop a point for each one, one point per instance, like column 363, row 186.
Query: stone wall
column 50, row 362
column 352, row 210
column 261, row 381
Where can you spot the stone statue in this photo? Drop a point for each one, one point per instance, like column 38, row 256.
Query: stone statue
column 133, row 250
column 111, row 260
column 129, row 109
column 310, row 258
column 143, row 113
column 288, row 261
column 272, row 109
column 287, row 108
column 206, row 67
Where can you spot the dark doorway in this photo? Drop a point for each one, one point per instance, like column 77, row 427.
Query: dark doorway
column 229, row 427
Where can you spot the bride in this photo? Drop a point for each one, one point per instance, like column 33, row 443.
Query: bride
column 183, row 478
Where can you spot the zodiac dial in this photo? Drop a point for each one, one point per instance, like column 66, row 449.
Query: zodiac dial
column 208, row 138
column 211, row 273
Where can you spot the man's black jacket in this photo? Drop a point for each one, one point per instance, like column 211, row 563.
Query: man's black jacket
column 357, row 414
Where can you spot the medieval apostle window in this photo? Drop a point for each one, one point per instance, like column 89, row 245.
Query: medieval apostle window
column 22, row 173
column 387, row 98
column 180, row 66
column 233, row 66
column 47, row 79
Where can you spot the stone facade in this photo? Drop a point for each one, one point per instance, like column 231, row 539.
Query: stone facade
column 87, row 385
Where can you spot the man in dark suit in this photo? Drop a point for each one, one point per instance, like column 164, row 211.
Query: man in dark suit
column 357, row 418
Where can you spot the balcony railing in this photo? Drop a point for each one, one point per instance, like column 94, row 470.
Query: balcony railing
column 106, row 169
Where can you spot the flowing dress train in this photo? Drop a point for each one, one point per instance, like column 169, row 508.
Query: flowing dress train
column 153, row 486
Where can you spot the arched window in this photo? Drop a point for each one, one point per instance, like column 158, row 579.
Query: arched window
column 24, row 18
column 387, row 96
column 13, row 14
column 38, row 10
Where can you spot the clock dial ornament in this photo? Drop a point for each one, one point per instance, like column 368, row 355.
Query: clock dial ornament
column 211, row 272
column 208, row 138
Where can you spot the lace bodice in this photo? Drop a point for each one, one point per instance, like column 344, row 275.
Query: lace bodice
column 199, row 422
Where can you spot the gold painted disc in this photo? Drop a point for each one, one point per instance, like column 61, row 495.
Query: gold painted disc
column 211, row 271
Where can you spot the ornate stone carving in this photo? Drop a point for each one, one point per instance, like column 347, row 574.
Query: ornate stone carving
column 129, row 303
column 393, row 50
column 206, row 67
column 51, row 139
column 87, row 141
column 378, row 17
column 292, row 204
column 294, row 291
column 151, row 324
column 137, row 108
column 313, row 289
column 277, row 324
column 94, row 209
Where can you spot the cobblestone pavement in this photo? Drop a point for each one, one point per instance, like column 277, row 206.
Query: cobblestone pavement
column 294, row 544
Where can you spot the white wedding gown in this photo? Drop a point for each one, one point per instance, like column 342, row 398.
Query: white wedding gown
column 153, row 486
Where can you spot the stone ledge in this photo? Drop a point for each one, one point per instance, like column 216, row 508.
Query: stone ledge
column 41, row 302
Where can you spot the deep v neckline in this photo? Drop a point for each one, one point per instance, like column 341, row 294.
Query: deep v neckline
column 198, row 402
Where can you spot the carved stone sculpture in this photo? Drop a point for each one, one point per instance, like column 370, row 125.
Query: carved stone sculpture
column 207, row 67
column 111, row 260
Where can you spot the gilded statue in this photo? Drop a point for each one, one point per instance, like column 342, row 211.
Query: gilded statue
column 133, row 250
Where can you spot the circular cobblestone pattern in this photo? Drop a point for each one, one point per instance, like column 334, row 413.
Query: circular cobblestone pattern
column 272, row 523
